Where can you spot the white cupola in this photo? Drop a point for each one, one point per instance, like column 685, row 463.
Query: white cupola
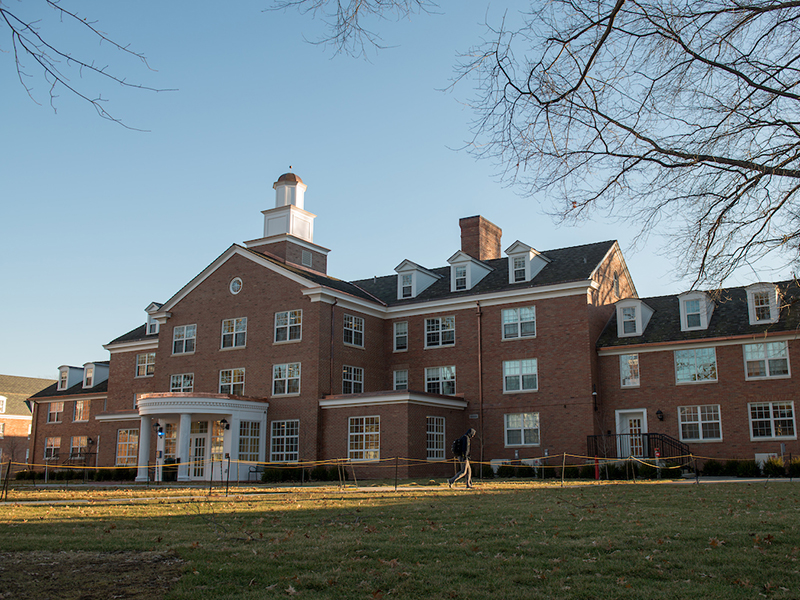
column 289, row 191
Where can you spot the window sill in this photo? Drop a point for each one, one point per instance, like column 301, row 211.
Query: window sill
column 436, row 460
column 517, row 338
column 143, row 376
column 183, row 353
column 440, row 346
column 767, row 378
column 400, row 350
column 525, row 446
column 511, row 392
column 283, row 342
column 630, row 387
column 233, row 348
column 771, row 439
column 356, row 346
column 715, row 441
column 697, row 382
column 291, row 395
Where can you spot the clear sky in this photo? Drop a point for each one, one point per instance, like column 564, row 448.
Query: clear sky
column 99, row 220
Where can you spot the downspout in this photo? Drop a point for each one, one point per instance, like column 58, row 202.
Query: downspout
column 330, row 383
column 479, row 314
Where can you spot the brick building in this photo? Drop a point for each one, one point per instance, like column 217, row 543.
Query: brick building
column 15, row 418
column 265, row 357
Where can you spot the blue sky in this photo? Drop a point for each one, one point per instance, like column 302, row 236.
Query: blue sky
column 99, row 220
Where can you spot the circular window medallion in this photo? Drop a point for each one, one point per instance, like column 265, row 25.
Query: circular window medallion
column 236, row 285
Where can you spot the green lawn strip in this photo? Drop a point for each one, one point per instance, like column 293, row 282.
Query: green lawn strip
column 641, row 541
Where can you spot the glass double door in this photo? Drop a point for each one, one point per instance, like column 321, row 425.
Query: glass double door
column 205, row 448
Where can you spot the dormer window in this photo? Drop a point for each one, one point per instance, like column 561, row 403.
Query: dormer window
column 407, row 287
column 152, row 326
column 633, row 315
column 88, row 377
column 460, row 278
column 63, row 377
column 692, row 308
column 696, row 309
column 629, row 320
column 762, row 303
column 519, row 269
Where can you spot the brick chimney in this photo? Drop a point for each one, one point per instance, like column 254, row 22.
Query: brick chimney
column 480, row 238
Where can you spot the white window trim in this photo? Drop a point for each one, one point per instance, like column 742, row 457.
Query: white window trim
column 521, row 390
column 233, row 334
column 354, row 329
column 774, row 311
column 522, row 430
column 85, row 417
column 638, row 368
column 286, row 368
column 50, row 411
column 766, row 363
column 772, row 421
column 700, row 422
column 63, row 379
column 2, row 404
column 233, row 382
column 184, row 339
column 440, row 331
column 441, row 380
column 704, row 309
column 147, row 364
column 439, row 454
column 394, row 379
column 288, row 326
column 88, row 377
column 394, row 336
column 350, row 436
column 697, row 382
column 519, row 323
column 353, row 380
column 274, row 456
column 182, row 390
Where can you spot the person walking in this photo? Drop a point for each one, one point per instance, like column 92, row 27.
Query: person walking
column 463, row 460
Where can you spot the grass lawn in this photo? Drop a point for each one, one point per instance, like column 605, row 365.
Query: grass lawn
column 501, row 540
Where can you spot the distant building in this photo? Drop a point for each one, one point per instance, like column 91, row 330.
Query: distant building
column 265, row 357
column 15, row 418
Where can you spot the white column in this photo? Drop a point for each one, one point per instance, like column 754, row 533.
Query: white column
column 184, row 428
column 144, row 448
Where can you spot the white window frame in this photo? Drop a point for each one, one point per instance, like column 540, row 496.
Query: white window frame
column 181, row 383
column 352, row 380
column 754, row 293
column 127, row 454
column 760, row 353
column 288, row 326
column 691, row 355
column 52, row 447
column 400, row 336
column 81, row 414
column 440, row 332
column 145, row 364
column 771, row 418
column 2, row 435
column 516, row 323
column 285, row 441
column 629, row 373
column 459, row 278
column 519, row 266
column 286, row 379
column 520, row 371
column 400, row 380
column 231, row 381
column 2, row 404
column 364, row 438
column 694, row 312
column 234, row 333
column 528, row 422
column 184, row 339
column 88, row 377
column 152, row 325
column 434, row 438
column 249, row 441
column 78, row 445
column 63, row 379
column 55, row 412
column 353, row 331
column 629, row 316
column 700, row 416
column 441, row 380
column 406, row 285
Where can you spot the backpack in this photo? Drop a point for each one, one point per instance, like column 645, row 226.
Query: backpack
column 457, row 447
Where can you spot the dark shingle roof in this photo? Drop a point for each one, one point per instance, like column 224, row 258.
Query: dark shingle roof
column 730, row 318
column 18, row 389
column 135, row 335
column 75, row 390
column 566, row 265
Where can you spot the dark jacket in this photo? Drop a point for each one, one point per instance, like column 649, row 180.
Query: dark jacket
column 465, row 443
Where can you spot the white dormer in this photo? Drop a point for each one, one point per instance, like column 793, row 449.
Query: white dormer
column 152, row 323
column 696, row 310
column 94, row 374
column 524, row 263
column 762, row 303
column 465, row 271
column 633, row 315
column 68, row 376
column 412, row 279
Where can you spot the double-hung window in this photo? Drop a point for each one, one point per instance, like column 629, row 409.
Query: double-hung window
column 695, row 366
column 285, row 445
column 460, row 278
column 52, row 447
column 401, row 336
column 352, row 380
column 183, row 339
column 406, row 285
column 127, row 447
column 766, row 359
column 629, row 319
column 520, row 375
column 289, row 326
column 522, row 429
column 286, row 379
column 249, row 441
column 772, row 420
column 519, row 269
column 55, row 410
column 435, row 438
column 234, row 333
column 364, row 440
column 692, row 308
column 440, row 331
column 354, row 331
column 761, row 306
column 231, row 381
column 700, row 423
column 519, row 322
column 78, row 445
column 629, row 370
column 401, row 379
column 440, row 380
column 145, row 364
column 81, row 410
column 181, row 383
